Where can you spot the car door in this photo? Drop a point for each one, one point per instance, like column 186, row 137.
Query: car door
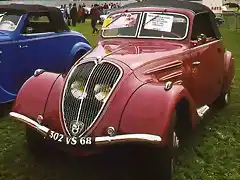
column 38, row 46
column 206, row 60
column 8, row 68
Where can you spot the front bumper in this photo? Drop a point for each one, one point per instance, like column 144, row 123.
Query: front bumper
column 83, row 141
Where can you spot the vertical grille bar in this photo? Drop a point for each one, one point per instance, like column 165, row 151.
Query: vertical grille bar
column 85, row 111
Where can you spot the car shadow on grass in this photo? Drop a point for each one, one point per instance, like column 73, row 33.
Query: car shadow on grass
column 116, row 163
column 5, row 109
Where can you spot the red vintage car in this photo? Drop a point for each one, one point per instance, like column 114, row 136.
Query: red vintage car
column 158, row 68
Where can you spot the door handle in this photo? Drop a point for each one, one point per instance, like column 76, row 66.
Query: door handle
column 195, row 63
column 23, row 46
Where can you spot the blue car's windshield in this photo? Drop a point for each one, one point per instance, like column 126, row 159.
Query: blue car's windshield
column 9, row 22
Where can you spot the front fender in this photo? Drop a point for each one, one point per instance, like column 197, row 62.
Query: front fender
column 79, row 47
column 150, row 108
column 6, row 96
column 32, row 97
column 229, row 70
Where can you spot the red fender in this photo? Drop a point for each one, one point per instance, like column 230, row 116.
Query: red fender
column 150, row 108
column 33, row 95
column 229, row 70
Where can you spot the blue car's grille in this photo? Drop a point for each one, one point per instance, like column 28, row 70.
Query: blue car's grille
column 82, row 107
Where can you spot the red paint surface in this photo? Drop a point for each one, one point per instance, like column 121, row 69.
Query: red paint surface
column 139, row 103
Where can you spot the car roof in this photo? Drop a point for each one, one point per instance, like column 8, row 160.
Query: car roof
column 187, row 5
column 24, row 8
column 55, row 14
column 194, row 7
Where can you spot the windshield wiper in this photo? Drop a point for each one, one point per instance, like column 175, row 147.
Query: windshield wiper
column 152, row 19
column 113, row 21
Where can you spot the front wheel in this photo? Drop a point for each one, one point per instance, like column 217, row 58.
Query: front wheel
column 158, row 163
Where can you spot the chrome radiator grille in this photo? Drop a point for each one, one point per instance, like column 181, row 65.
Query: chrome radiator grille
column 80, row 112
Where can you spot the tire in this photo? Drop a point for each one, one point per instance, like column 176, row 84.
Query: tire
column 37, row 145
column 35, row 142
column 157, row 163
column 223, row 100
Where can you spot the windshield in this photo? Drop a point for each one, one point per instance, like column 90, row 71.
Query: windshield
column 123, row 24
column 9, row 22
column 154, row 25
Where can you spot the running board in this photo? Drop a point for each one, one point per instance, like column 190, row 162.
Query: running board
column 202, row 110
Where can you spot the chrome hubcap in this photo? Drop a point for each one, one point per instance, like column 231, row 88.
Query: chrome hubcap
column 175, row 146
column 175, row 140
column 226, row 98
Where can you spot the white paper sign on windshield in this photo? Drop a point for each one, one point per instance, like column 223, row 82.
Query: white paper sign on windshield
column 161, row 23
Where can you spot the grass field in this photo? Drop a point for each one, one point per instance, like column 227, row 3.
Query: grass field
column 213, row 152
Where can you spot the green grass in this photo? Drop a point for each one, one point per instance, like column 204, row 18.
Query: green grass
column 213, row 153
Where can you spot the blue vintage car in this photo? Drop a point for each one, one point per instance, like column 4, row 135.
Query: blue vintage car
column 34, row 37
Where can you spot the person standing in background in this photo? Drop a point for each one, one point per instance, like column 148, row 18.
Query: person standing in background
column 85, row 12
column 62, row 9
column 68, row 14
column 65, row 13
column 95, row 16
column 73, row 14
column 79, row 13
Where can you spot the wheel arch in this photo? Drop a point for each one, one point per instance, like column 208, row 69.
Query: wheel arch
column 79, row 48
column 154, row 107
column 183, row 122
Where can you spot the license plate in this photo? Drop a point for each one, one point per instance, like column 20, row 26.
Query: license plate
column 68, row 140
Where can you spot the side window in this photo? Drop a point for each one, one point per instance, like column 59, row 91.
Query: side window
column 36, row 23
column 202, row 25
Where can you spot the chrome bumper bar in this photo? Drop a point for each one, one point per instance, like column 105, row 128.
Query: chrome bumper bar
column 103, row 140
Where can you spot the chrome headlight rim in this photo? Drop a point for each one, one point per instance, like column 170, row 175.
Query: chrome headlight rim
column 77, row 89
column 102, row 92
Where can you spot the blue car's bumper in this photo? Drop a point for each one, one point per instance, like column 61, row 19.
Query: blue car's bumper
column 6, row 96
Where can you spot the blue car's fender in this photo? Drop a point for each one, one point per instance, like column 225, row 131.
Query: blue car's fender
column 6, row 96
column 79, row 47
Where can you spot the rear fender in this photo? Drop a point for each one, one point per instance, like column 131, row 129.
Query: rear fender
column 79, row 47
column 229, row 71
column 32, row 97
column 150, row 108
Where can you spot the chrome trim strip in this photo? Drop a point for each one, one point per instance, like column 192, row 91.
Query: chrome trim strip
column 103, row 140
column 42, row 38
column 42, row 129
column 154, row 139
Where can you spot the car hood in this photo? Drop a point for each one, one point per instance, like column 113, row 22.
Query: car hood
column 4, row 37
column 136, row 53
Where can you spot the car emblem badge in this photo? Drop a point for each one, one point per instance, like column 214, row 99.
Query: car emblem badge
column 76, row 127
